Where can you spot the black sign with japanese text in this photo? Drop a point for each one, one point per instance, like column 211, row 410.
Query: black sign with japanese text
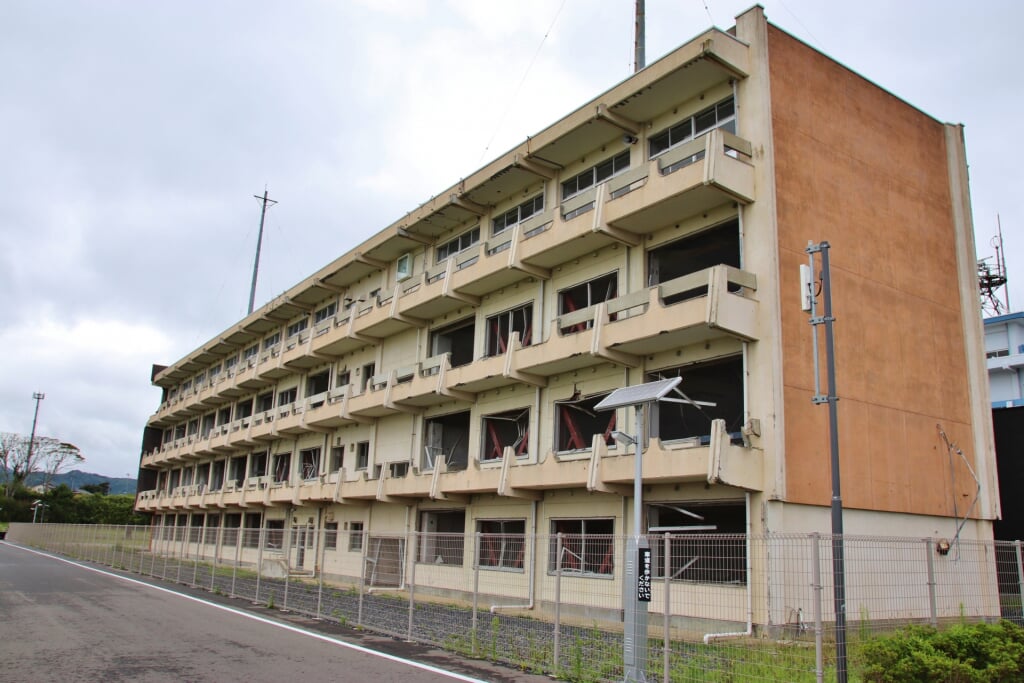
column 643, row 577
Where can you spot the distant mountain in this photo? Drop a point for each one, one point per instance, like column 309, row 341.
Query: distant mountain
column 76, row 479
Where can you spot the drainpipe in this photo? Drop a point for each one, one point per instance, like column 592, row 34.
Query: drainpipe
column 533, row 567
column 708, row 637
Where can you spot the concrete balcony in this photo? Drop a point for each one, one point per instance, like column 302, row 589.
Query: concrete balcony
column 247, row 378
column 337, row 338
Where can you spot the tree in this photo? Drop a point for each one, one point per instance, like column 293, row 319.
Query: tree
column 103, row 488
column 46, row 455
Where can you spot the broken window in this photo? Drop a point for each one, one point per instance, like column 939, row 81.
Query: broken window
column 508, row 429
column 251, row 351
column 711, row 247
column 707, row 541
column 576, row 423
column 502, row 543
column 447, row 437
column 499, row 329
column 318, row 384
column 258, row 464
column 212, row 526
column 309, row 460
column 587, row 546
column 444, row 532
column 456, row 339
column 179, row 431
column 202, row 474
column 174, row 480
column 298, row 326
column 584, row 295
column 711, row 390
column 224, row 416
column 186, row 476
column 343, row 379
column 195, row 530
column 282, row 467
column 362, row 455
column 397, row 470
column 193, row 427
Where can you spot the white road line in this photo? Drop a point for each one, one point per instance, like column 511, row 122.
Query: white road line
column 254, row 617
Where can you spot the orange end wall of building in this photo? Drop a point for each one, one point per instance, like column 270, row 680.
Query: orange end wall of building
column 859, row 168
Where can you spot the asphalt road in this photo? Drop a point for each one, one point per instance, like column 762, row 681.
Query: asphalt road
column 62, row 621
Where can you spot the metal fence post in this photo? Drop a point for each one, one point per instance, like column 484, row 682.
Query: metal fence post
column 261, row 538
column 322, row 551
column 412, row 581
column 819, row 655
column 239, row 530
column 290, row 539
column 930, row 561
column 1020, row 576
column 666, row 570
column 558, row 605
column 476, row 591
column 366, row 540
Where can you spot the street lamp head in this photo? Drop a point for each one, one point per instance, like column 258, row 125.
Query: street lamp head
column 623, row 438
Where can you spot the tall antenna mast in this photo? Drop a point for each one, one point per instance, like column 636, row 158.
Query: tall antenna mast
column 639, row 38
column 259, row 245
column 992, row 277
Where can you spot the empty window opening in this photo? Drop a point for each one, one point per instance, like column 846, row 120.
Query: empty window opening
column 275, row 533
column 577, row 422
column 203, row 474
column 265, row 402
column 712, row 247
column 595, row 175
column 514, row 216
column 288, row 396
column 444, row 532
column 502, row 543
column 510, row 429
column 217, row 476
column 362, row 455
column 224, row 416
column 232, row 523
column 253, row 524
column 195, row 531
column 355, row 537
column 193, row 427
column 397, row 470
column 343, row 379
column 236, row 470
column 367, row 371
column 716, row 389
column 309, row 461
column 282, row 467
column 499, row 329
column 457, row 244
column 318, row 384
column 186, row 476
column 258, row 464
column 456, row 339
column 207, row 426
column 584, row 295
column 174, row 480
column 179, row 431
column 447, row 438
column 587, row 547
column 707, row 541
column 720, row 115
column 337, row 458
column 243, row 409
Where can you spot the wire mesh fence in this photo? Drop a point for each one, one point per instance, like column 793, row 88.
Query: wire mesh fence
column 721, row 607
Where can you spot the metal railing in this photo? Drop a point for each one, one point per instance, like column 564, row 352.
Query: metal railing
column 753, row 608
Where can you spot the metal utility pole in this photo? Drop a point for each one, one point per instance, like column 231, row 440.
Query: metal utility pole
column 639, row 38
column 35, row 418
column 259, row 245
column 838, row 559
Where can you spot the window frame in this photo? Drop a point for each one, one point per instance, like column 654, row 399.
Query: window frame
column 517, row 214
column 594, row 175
column 590, row 544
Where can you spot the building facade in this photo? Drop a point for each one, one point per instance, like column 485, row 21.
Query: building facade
column 442, row 376
column 1004, row 354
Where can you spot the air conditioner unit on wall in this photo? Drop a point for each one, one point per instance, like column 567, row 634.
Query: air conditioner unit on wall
column 403, row 270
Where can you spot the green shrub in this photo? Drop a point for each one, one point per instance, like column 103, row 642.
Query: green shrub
column 964, row 653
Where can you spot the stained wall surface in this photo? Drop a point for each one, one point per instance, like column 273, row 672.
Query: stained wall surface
column 865, row 171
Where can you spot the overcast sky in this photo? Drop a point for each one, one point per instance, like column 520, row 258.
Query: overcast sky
column 134, row 134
